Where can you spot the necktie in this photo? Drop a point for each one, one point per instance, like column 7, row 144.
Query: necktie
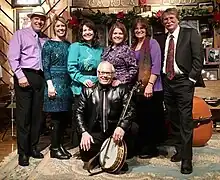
column 104, row 111
column 40, row 48
column 170, row 59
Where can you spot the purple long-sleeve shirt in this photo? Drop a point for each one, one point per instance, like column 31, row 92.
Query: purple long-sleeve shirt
column 155, row 53
column 24, row 51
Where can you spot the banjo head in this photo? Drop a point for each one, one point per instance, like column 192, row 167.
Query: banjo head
column 113, row 155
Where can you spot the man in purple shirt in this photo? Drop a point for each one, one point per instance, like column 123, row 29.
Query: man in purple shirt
column 24, row 56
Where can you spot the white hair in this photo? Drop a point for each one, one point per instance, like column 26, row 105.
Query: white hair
column 103, row 63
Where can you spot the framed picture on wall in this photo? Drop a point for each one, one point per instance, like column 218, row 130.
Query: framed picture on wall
column 206, row 5
column 207, row 42
column 212, row 55
column 210, row 74
column 74, row 9
column 190, row 24
column 22, row 21
column 25, row 3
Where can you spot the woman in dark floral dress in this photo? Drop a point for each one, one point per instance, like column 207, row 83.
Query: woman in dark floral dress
column 58, row 95
column 120, row 55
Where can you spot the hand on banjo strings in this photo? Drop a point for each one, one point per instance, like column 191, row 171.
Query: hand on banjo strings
column 86, row 141
column 118, row 134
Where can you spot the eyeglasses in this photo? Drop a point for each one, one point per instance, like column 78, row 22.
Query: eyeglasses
column 107, row 73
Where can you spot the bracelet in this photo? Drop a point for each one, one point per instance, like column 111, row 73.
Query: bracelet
column 151, row 83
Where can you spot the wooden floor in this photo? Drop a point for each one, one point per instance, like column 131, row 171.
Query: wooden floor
column 8, row 144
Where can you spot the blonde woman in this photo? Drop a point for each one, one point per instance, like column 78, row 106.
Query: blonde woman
column 57, row 96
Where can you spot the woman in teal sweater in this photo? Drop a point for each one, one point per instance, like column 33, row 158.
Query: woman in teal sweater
column 84, row 57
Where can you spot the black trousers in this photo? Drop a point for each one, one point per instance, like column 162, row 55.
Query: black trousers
column 150, row 118
column 99, row 137
column 29, row 103
column 178, row 99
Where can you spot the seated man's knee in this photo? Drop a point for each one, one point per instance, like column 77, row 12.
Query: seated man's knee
column 134, row 128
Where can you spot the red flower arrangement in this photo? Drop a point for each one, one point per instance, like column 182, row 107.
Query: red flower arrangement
column 73, row 22
column 156, row 18
column 216, row 19
column 142, row 2
column 159, row 14
column 120, row 15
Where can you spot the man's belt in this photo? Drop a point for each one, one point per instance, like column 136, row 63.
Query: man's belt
column 177, row 76
column 33, row 70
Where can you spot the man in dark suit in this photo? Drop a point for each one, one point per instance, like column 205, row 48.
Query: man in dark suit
column 182, row 67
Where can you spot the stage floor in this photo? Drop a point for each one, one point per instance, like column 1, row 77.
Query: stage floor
column 206, row 162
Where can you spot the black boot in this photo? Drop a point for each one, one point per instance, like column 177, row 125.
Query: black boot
column 55, row 151
column 58, row 153
column 62, row 148
column 62, row 140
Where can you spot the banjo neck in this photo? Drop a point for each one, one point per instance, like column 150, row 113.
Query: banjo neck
column 134, row 88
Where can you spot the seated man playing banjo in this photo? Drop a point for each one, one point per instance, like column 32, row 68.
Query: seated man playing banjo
column 98, row 116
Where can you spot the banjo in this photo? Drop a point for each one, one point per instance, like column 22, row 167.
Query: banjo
column 112, row 155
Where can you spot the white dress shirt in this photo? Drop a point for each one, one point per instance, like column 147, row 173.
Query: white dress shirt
column 175, row 37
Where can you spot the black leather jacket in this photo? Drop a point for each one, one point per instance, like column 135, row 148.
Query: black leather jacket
column 88, row 111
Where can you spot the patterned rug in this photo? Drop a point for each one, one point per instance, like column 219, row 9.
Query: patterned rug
column 206, row 162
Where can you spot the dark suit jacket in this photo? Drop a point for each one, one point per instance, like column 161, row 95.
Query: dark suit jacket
column 189, row 54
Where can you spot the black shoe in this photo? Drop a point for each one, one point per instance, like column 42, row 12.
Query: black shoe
column 149, row 155
column 176, row 157
column 124, row 167
column 85, row 166
column 149, row 152
column 65, row 151
column 57, row 153
column 36, row 154
column 23, row 160
column 91, row 166
column 77, row 155
column 186, row 167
